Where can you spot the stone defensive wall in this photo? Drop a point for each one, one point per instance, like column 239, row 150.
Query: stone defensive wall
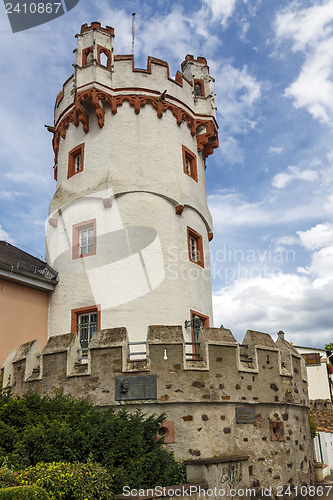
column 232, row 399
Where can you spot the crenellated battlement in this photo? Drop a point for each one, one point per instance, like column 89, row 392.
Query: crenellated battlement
column 228, row 399
column 104, row 81
column 257, row 371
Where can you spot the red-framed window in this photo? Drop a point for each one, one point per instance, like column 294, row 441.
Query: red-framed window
column 195, row 247
column 85, row 321
column 190, row 163
column 75, row 160
column 199, row 87
column 84, row 239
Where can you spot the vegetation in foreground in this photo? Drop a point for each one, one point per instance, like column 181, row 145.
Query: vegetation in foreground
column 74, row 450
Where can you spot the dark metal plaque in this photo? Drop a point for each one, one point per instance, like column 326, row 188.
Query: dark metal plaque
column 245, row 415
column 136, row 388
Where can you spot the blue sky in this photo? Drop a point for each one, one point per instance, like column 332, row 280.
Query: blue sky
column 270, row 183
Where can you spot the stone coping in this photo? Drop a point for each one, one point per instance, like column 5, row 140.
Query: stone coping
column 215, row 460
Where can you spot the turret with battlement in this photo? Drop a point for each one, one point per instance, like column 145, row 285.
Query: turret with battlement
column 129, row 226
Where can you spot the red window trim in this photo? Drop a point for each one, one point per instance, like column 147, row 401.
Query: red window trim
column 78, row 150
column 76, row 238
column 103, row 50
column 202, row 317
column 83, row 310
column 198, row 238
column 202, row 85
column 85, row 53
column 187, row 153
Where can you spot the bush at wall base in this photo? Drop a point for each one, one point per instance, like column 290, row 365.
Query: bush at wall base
column 35, row 429
column 70, row 481
column 23, row 493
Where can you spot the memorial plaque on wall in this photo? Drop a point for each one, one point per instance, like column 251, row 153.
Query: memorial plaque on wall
column 245, row 415
column 136, row 388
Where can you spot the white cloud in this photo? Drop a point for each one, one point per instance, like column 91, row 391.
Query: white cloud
column 317, row 237
column 280, row 181
column 310, row 29
column 222, row 10
column 233, row 210
column 238, row 97
column 305, row 25
column 277, row 150
column 287, row 240
column 4, row 235
column 276, row 302
column 298, row 303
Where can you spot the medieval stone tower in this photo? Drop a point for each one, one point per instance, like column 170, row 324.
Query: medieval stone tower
column 128, row 233
column 129, row 227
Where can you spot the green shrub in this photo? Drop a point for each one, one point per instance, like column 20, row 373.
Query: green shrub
column 23, row 493
column 66, row 481
column 37, row 429
column 8, row 477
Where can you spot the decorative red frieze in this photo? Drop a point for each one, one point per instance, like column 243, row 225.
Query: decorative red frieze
column 206, row 142
column 209, row 140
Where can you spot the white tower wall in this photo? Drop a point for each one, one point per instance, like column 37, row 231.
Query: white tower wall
column 131, row 190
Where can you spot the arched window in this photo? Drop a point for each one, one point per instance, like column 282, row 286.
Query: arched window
column 103, row 59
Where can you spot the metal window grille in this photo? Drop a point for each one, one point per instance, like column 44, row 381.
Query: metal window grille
column 78, row 162
column 188, row 165
column 193, row 249
column 86, row 327
column 86, row 240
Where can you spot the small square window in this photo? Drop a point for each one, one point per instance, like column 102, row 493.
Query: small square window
column 75, row 161
column 190, row 163
column 84, row 239
column 195, row 248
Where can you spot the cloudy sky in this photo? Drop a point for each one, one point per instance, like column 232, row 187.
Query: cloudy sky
column 269, row 184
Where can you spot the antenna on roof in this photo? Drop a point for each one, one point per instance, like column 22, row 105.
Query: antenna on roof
column 133, row 16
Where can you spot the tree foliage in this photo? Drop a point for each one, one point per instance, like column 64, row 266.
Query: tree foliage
column 37, row 429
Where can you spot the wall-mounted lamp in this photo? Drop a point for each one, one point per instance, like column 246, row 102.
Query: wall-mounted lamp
column 196, row 325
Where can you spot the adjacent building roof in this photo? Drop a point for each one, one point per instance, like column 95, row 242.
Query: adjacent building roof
column 21, row 267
